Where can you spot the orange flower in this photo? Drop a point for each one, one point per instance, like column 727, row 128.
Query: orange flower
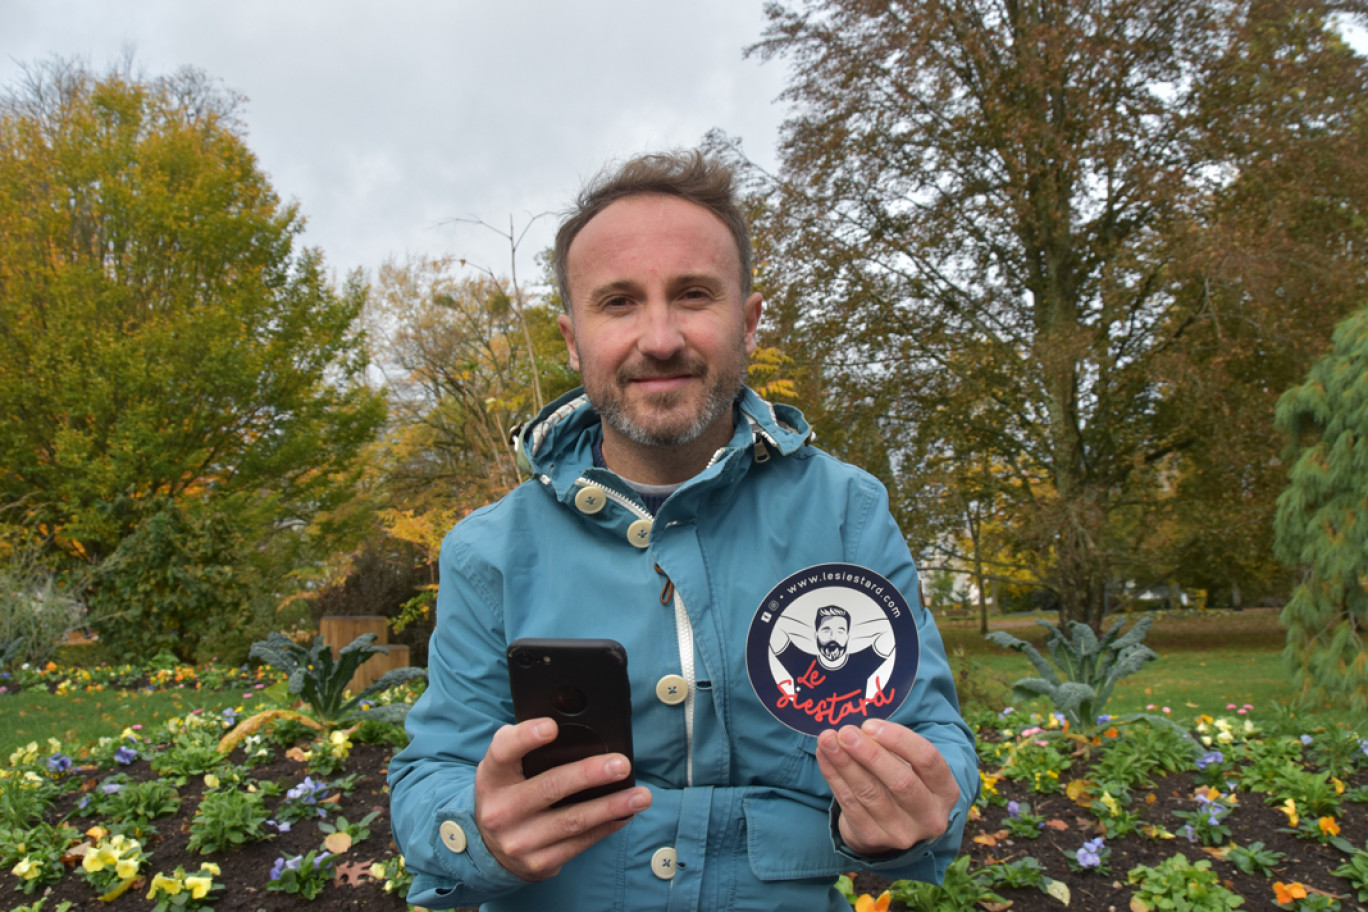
column 1286, row 893
column 867, row 903
column 1328, row 826
column 1111, row 733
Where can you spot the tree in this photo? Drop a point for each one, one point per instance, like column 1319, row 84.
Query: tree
column 991, row 212
column 162, row 343
column 1322, row 524
column 454, row 352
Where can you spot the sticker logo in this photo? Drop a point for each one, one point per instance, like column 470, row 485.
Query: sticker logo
column 831, row 645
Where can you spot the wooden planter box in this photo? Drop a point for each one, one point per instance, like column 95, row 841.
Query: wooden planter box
column 339, row 630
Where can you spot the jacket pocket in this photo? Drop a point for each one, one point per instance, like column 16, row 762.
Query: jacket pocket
column 788, row 838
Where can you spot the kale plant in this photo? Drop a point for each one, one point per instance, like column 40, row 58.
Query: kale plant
column 1086, row 667
column 321, row 681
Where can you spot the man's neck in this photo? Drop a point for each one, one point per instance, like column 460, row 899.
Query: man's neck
column 665, row 465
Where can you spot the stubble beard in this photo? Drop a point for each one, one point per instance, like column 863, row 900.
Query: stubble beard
column 666, row 430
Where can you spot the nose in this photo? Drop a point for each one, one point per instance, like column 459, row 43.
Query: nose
column 660, row 335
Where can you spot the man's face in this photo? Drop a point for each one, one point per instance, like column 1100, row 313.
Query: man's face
column 833, row 635
column 659, row 332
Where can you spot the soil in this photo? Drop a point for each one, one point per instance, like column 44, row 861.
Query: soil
column 245, row 871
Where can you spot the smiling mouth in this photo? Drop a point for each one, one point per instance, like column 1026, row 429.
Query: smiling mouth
column 656, row 383
column 663, row 376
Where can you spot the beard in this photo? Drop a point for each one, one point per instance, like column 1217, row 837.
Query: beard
column 831, row 650
column 667, row 419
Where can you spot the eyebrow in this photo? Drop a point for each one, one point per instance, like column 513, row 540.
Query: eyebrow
column 626, row 286
column 608, row 288
column 697, row 278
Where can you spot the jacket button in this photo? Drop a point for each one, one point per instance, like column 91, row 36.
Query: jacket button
column 453, row 837
column 590, row 499
column 672, row 689
column 663, row 863
column 639, row 533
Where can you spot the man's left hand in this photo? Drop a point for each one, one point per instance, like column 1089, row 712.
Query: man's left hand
column 895, row 789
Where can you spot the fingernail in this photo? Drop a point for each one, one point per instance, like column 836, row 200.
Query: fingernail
column 639, row 801
column 617, row 767
column 546, row 730
column 849, row 736
column 827, row 742
column 873, row 726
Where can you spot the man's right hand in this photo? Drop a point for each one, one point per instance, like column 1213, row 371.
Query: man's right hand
column 525, row 834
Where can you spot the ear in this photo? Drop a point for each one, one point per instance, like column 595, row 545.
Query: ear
column 751, row 314
column 567, row 328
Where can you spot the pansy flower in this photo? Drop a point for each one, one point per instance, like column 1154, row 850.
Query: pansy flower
column 1288, row 893
column 867, row 903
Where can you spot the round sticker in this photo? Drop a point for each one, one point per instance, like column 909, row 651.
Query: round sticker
column 831, row 645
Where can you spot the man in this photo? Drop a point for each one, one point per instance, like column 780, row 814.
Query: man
column 667, row 499
column 833, row 670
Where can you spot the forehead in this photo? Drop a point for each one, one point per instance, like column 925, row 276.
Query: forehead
column 833, row 619
column 651, row 236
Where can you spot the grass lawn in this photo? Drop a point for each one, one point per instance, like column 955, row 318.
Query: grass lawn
column 80, row 717
column 1206, row 661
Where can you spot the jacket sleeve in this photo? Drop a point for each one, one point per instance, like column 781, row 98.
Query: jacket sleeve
column 432, row 780
column 931, row 709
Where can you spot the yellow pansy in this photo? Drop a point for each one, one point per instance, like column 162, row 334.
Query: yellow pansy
column 211, row 868
column 211, row 781
column 126, row 868
column 1111, row 804
column 198, row 885
column 93, row 862
column 168, row 885
column 1289, row 807
column 27, row 869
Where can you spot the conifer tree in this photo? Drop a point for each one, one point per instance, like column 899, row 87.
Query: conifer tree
column 1322, row 521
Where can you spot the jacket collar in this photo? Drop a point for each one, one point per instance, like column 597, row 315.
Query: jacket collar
column 557, row 445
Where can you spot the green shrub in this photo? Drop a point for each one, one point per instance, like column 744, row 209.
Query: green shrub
column 36, row 614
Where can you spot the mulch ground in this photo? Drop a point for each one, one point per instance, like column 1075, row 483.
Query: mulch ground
column 1250, row 821
column 246, row 870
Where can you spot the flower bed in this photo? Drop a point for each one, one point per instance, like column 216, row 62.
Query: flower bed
column 1231, row 807
column 1226, row 814
column 60, row 679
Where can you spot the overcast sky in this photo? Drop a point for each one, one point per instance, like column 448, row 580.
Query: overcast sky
column 383, row 120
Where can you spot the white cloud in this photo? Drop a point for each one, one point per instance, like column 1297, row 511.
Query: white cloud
column 385, row 119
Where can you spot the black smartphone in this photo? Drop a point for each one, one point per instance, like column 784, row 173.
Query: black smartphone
column 583, row 685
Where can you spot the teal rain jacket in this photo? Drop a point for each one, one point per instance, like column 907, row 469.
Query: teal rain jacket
column 741, row 817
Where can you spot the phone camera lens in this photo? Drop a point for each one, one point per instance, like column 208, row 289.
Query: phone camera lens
column 525, row 659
